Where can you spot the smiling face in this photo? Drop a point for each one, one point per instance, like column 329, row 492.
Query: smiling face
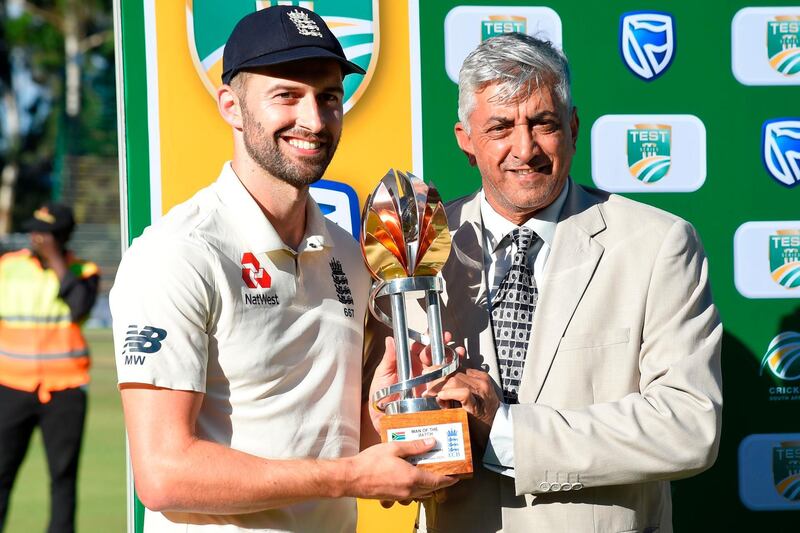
column 291, row 118
column 523, row 150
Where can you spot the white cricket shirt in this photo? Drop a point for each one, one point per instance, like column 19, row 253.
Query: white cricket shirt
column 209, row 299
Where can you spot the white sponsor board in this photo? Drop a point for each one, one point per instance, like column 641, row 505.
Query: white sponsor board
column 466, row 26
column 611, row 170
column 750, row 58
column 752, row 271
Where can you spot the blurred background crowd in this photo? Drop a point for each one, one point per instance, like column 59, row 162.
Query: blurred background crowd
column 58, row 143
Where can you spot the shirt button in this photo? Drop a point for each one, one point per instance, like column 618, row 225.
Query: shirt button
column 544, row 485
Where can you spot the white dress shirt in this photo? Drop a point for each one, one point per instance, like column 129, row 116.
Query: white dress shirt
column 498, row 251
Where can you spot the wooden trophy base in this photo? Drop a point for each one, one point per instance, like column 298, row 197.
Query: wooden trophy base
column 452, row 454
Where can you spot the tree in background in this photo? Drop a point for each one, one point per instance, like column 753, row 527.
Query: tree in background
column 56, row 98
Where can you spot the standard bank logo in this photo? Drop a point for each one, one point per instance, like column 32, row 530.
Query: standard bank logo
column 466, row 26
column 339, row 203
column 769, row 471
column 647, row 42
column 649, row 153
column 780, row 140
column 766, row 45
column 353, row 22
column 766, row 259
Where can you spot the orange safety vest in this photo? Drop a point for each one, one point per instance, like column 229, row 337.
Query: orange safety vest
column 41, row 348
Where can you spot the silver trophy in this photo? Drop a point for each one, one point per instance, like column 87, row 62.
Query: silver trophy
column 405, row 242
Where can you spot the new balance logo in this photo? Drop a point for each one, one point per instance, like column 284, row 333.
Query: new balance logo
column 139, row 342
column 253, row 275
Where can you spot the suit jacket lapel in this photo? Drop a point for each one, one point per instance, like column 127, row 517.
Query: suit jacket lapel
column 573, row 259
column 465, row 306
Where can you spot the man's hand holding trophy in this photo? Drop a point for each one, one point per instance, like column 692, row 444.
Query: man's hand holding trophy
column 405, row 241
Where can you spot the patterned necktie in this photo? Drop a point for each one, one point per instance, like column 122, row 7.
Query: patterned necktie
column 512, row 314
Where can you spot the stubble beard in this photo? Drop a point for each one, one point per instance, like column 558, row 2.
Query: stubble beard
column 264, row 150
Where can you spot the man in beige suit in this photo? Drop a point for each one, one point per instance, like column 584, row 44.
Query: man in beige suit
column 599, row 381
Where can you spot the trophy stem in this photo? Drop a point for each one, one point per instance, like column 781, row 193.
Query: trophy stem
column 435, row 328
column 400, row 327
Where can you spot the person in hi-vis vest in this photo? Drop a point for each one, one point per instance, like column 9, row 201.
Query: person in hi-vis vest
column 45, row 294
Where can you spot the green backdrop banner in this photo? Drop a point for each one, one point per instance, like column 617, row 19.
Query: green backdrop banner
column 717, row 118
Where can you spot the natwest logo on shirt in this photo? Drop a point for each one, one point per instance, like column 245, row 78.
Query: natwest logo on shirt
column 253, row 275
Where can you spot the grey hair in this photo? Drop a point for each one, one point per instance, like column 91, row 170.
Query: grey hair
column 520, row 64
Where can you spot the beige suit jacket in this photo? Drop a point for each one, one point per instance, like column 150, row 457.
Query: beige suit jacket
column 621, row 389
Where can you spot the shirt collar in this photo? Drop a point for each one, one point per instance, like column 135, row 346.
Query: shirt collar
column 256, row 227
column 543, row 223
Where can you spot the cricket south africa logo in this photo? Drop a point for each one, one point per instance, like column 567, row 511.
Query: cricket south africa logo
column 786, row 469
column 783, row 356
column 649, row 151
column 253, row 274
column 495, row 25
column 780, row 139
column 647, row 42
column 784, row 258
column 783, row 44
column 353, row 22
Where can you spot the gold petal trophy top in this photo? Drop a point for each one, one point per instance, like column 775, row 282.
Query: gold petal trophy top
column 404, row 229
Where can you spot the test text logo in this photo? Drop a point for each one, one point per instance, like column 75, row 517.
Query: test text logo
column 649, row 151
column 783, row 48
column 784, row 257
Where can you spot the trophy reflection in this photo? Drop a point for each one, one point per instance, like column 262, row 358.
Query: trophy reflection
column 405, row 242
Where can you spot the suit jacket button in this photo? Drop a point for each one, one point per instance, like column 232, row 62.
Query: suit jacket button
column 555, row 487
column 577, row 486
column 566, row 486
column 485, row 367
column 544, row 485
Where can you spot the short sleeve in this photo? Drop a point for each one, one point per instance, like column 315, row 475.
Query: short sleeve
column 161, row 306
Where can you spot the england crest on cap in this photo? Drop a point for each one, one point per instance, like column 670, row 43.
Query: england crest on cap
column 780, row 141
column 353, row 22
column 647, row 42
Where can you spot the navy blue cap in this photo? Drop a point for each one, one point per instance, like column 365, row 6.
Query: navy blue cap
column 280, row 34
column 52, row 217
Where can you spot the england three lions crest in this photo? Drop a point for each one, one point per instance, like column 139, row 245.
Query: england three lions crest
column 781, row 150
column 647, row 42
column 353, row 22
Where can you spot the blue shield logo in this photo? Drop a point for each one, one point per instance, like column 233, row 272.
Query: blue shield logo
column 780, row 140
column 647, row 42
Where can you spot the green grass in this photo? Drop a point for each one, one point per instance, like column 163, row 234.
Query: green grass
column 101, row 479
